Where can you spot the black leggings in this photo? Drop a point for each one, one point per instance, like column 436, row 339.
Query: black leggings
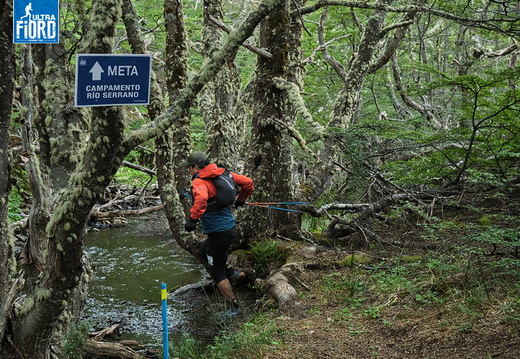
column 214, row 251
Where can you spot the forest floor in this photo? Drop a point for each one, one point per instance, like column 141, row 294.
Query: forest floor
column 417, row 301
column 317, row 327
column 328, row 322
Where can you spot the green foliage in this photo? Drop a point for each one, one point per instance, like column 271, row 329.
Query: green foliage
column 74, row 340
column 250, row 340
column 373, row 312
column 143, row 156
column 15, row 202
column 198, row 131
column 395, row 281
column 267, row 253
column 187, row 347
column 484, row 148
column 150, row 15
column 342, row 287
column 129, row 177
column 480, row 275
column 512, row 312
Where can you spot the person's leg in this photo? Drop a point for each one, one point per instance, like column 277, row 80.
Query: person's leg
column 217, row 248
column 203, row 252
column 226, row 289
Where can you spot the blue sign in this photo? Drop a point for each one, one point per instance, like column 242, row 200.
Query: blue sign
column 36, row 21
column 112, row 80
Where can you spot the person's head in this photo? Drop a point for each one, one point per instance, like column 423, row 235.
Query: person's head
column 195, row 162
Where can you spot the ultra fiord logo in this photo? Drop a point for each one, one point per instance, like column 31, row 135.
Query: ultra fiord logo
column 36, row 21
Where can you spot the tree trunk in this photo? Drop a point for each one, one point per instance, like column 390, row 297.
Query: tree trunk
column 174, row 144
column 225, row 133
column 270, row 161
column 7, row 261
column 59, row 268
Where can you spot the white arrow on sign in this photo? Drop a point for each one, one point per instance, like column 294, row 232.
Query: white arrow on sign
column 96, row 71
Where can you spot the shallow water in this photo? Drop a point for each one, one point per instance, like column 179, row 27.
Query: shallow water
column 130, row 266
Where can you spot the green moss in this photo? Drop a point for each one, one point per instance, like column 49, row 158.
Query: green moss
column 486, row 220
column 322, row 239
column 411, row 259
column 27, row 305
column 41, row 294
column 352, row 259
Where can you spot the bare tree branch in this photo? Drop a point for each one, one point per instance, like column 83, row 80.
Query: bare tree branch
column 391, row 46
column 256, row 50
column 336, row 65
column 423, row 110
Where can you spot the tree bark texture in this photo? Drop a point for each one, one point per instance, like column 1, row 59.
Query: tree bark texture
column 63, row 269
column 55, row 119
column 99, row 349
column 225, row 131
column 7, row 262
column 270, row 159
column 174, row 144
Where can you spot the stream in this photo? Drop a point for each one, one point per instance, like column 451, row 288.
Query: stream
column 130, row 263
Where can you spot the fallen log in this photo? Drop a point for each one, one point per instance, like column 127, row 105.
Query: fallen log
column 278, row 286
column 109, row 331
column 95, row 347
column 139, row 168
column 121, row 213
column 123, row 202
column 113, row 350
column 204, row 285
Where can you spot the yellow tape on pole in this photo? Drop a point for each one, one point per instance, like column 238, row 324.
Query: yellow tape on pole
column 164, row 296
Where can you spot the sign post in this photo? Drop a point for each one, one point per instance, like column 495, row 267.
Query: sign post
column 164, row 297
column 112, row 80
column 36, row 21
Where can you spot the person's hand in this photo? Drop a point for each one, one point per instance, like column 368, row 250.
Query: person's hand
column 190, row 225
column 239, row 203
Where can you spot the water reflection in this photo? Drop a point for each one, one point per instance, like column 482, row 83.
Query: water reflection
column 129, row 269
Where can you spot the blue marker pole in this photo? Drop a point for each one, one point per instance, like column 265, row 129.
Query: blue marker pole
column 164, row 296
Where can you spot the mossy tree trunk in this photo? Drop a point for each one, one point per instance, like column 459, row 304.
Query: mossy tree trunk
column 270, row 160
column 7, row 262
column 225, row 133
column 65, row 187
column 173, row 145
